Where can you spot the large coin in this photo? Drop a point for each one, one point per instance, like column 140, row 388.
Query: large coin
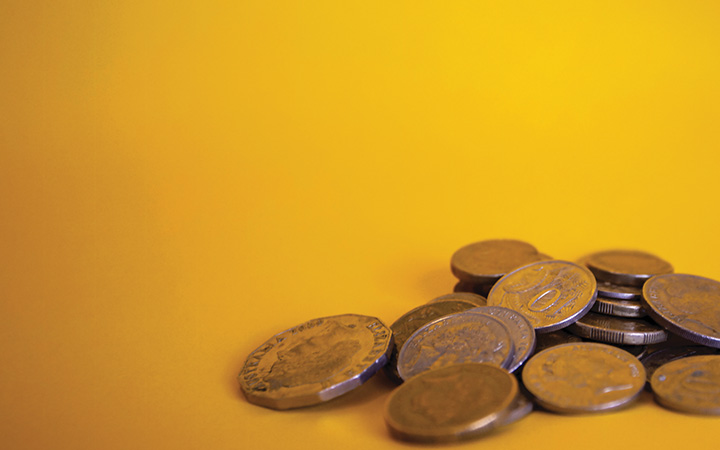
column 551, row 294
column 626, row 267
column 486, row 261
column 663, row 356
column 452, row 403
column 462, row 337
column 315, row 361
column 690, row 384
column 619, row 308
column 617, row 330
column 687, row 305
column 412, row 320
column 583, row 377
column 520, row 329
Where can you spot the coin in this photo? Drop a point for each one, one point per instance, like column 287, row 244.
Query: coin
column 559, row 337
column 476, row 299
column 451, row 403
column 583, row 377
column 480, row 289
column 663, row 356
column 611, row 290
column 519, row 408
column 619, row 308
column 551, row 294
column 486, row 261
column 520, row 329
column 689, row 385
column 459, row 338
column 315, row 361
column 616, row 330
column 626, row 267
column 412, row 320
column 637, row 351
column 686, row 305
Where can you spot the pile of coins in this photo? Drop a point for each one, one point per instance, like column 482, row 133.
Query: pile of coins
column 521, row 329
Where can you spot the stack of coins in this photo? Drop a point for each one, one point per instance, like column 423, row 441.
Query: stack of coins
column 514, row 310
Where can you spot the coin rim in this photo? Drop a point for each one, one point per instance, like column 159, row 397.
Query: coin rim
column 679, row 406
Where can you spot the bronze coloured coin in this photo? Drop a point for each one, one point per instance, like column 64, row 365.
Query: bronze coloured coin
column 455, row 339
column 619, row 308
column 626, row 267
column 551, row 294
column 520, row 329
column 485, row 262
column 687, row 305
column 471, row 297
column 689, row 385
column 583, row 377
column 618, row 330
column 315, row 361
column 663, row 356
column 452, row 403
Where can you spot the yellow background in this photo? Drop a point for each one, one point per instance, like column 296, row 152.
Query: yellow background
column 181, row 180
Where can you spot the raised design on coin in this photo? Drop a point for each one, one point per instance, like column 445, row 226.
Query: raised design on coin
column 521, row 332
column 663, row 356
column 689, row 384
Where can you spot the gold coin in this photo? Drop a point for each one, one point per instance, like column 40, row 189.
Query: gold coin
column 485, row 262
column 626, row 267
column 690, row 384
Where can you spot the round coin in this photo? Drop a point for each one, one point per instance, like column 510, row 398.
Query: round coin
column 471, row 297
column 687, row 305
column 315, row 361
column 554, row 338
column 451, row 403
column 626, row 267
column 486, row 261
column 689, row 385
column 616, row 330
column 551, row 294
column 412, row 320
column 480, row 289
column 583, row 377
column 611, row 290
column 459, row 338
column 520, row 329
column 663, row 356
column 619, row 308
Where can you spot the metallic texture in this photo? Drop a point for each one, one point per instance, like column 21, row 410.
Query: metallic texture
column 471, row 297
column 583, row 377
column 480, row 289
column 626, row 267
column 689, row 385
column 520, row 329
column 559, row 337
column 459, row 338
column 551, row 294
column 617, row 330
column 452, row 403
column 686, row 305
column 663, row 356
column 485, row 262
column 611, row 290
column 619, row 308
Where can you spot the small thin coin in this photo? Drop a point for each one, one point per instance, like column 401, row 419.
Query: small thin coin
column 617, row 330
column 663, row 356
column 583, row 377
column 455, row 339
column 486, row 261
column 315, row 361
column 471, row 297
column 611, row 290
column 686, row 305
column 413, row 320
column 626, row 267
column 689, row 385
column 618, row 308
column 521, row 332
column 551, row 294
column 452, row 403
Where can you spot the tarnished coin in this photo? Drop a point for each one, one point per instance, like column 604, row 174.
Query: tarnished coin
column 687, row 305
column 451, row 403
column 611, row 290
column 551, row 294
column 480, row 289
column 412, row 320
column 626, row 267
column 637, row 351
column 663, row 356
column 471, row 297
column 459, row 338
column 619, row 308
column 617, row 330
column 689, row 385
column 519, row 408
column 554, row 338
column 315, row 361
column 486, row 261
column 583, row 377
column 520, row 329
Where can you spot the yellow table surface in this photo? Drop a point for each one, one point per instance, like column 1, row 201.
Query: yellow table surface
column 181, row 180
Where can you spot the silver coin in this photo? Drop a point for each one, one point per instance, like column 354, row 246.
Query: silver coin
column 616, row 330
column 686, row 305
column 611, row 290
column 455, row 339
column 663, row 356
column 626, row 267
column 551, row 294
column 689, row 385
column 471, row 297
column 521, row 331
column 619, row 308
